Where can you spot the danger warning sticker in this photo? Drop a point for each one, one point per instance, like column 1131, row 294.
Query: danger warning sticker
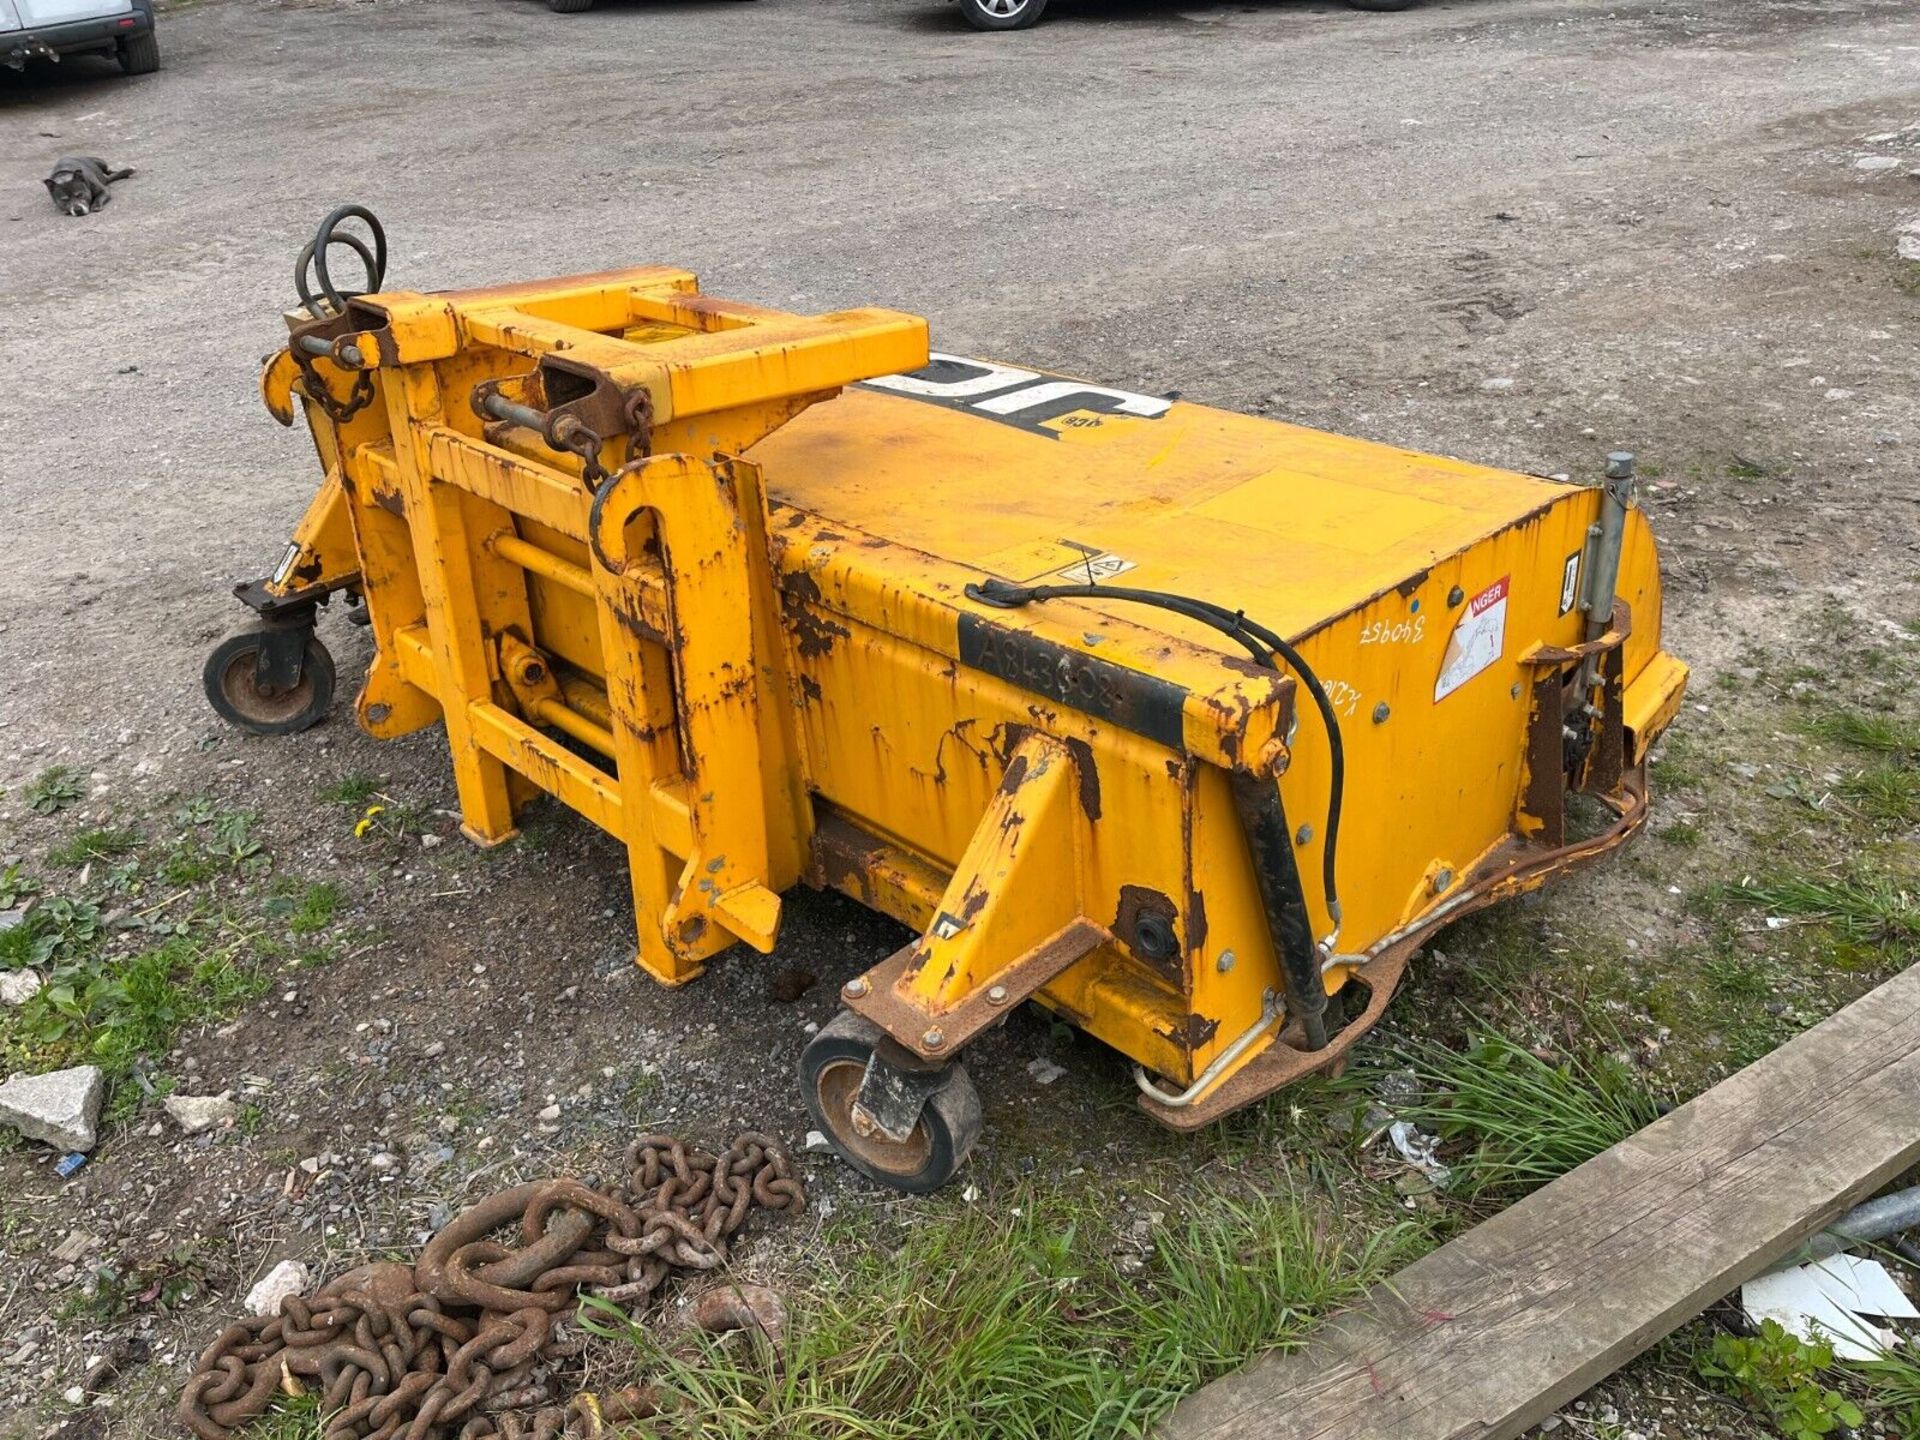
column 1477, row 641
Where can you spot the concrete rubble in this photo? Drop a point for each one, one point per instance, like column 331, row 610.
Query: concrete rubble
column 196, row 1114
column 61, row 1107
column 289, row 1277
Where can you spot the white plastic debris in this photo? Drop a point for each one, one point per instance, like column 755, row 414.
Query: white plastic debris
column 1417, row 1148
column 289, row 1277
column 1833, row 1297
column 1044, row 1071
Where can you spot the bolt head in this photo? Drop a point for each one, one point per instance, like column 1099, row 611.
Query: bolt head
column 855, row 987
column 1380, row 712
column 1442, row 879
column 934, row 1038
column 1225, row 962
column 1304, row 835
column 996, row 994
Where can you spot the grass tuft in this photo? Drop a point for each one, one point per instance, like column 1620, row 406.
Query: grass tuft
column 1887, row 793
column 352, row 790
column 1894, row 1383
column 1869, row 730
column 1528, row 1120
column 91, row 845
column 1865, row 906
column 1021, row 1322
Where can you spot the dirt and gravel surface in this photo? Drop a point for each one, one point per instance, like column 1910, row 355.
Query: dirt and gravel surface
column 1521, row 231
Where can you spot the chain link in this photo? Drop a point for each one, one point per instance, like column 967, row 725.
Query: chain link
column 464, row 1344
column 339, row 411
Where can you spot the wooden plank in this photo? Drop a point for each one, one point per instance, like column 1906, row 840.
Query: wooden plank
column 1496, row 1330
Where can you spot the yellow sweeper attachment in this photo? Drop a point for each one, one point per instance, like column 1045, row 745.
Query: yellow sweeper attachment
column 1188, row 725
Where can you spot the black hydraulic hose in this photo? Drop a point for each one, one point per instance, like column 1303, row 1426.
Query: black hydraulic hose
column 1259, row 642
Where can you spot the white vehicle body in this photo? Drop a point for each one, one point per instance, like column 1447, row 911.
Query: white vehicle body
column 53, row 29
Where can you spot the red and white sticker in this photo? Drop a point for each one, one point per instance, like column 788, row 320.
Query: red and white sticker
column 1478, row 639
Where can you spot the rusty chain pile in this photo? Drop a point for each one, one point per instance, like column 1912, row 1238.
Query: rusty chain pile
column 463, row 1344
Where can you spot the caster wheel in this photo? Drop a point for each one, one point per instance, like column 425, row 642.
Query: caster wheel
column 234, row 687
column 831, row 1069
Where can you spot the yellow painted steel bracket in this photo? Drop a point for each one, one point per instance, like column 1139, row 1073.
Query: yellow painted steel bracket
column 1067, row 679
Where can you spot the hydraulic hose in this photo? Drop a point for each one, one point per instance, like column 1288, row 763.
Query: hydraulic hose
column 1259, row 642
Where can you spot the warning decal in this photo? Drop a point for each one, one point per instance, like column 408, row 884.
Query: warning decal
column 1095, row 568
column 1477, row 641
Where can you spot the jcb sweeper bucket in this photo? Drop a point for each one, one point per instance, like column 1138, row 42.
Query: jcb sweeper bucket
column 1188, row 725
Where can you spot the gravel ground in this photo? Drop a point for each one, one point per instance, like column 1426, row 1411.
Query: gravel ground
column 1520, row 231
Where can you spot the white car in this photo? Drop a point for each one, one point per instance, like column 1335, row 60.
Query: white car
column 50, row 29
column 1018, row 14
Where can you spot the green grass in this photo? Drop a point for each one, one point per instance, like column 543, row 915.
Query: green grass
column 316, row 909
column 289, row 1418
column 1733, row 976
column 1888, row 794
column 91, row 845
column 352, row 790
column 1680, row 765
column 1864, row 906
column 1893, row 1383
column 1869, row 730
column 1526, row 1120
column 57, row 927
column 1020, row 1321
column 306, row 909
column 112, row 1012
column 1682, row 833
column 16, row 886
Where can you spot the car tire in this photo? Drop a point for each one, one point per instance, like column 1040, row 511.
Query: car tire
column 569, row 7
column 1382, row 4
column 1002, row 14
column 140, row 54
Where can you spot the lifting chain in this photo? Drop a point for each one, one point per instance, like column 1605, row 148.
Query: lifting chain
column 464, row 1343
column 338, row 411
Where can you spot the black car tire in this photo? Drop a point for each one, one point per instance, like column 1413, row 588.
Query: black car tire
column 569, row 7
column 1382, row 4
column 140, row 54
column 1002, row 14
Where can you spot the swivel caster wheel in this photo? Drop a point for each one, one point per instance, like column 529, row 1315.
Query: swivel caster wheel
column 271, row 681
column 926, row 1149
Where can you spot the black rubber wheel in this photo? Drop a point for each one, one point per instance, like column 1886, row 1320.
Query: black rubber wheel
column 831, row 1068
column 569, row 7
column 234, row 691
column 1002, row 14
column 1382, row 4
column 140, row 54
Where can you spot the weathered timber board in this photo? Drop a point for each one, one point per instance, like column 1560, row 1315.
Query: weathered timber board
column 1494, row 1331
